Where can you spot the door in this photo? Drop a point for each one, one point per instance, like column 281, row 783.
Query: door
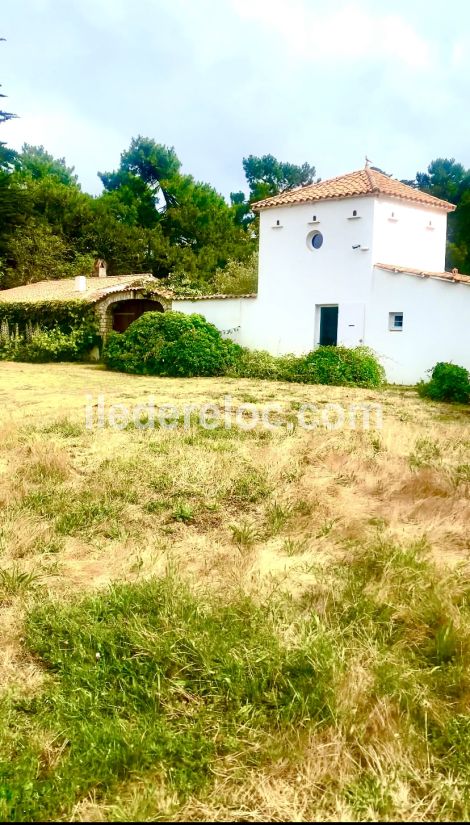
column 351, row 325
column 125, row 312
column 328, row 326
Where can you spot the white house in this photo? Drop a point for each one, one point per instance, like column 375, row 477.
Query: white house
column 354, row 260
column 358, row 259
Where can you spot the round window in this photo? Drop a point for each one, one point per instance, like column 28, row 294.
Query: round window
column 314, row 240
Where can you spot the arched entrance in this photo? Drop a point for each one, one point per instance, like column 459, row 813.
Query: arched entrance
column 125, row 312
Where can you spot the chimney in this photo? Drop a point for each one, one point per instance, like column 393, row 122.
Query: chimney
column 80, row 283
column 99, row 269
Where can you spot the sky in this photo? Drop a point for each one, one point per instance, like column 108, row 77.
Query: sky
column 327, row 82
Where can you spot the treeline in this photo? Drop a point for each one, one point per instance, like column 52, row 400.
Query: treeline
column 150, row 218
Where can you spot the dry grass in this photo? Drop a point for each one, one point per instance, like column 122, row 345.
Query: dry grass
column 257, row 512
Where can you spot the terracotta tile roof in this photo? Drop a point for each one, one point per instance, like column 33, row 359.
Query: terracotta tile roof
column 364, row 182
column 453, row 277
column 64, row 289
column 215, row 297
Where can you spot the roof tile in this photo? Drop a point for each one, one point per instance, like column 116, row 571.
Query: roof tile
column 96, row 289
column 363, row 182
column 453, row 277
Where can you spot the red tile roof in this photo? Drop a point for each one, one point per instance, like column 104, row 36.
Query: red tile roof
column 364, row 182
column 63, row 289
column 97, row 289
column 454, row 277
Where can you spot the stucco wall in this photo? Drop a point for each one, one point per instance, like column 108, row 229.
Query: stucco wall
column 294, row 281
column 415, row 236
column 436, row 326
column 229, row 315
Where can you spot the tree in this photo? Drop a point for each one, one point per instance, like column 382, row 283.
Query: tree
column 190, row 228
column 34, row 163
column 450, row 181
column 142, row 177
column 266, row 176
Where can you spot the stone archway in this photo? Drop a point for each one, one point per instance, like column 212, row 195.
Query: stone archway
column 157, row 302
column 127, row 311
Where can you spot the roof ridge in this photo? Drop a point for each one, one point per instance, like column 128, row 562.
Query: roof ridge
column 362, row 182
column 370, row 177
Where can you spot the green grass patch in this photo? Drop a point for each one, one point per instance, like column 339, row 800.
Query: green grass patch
column 149, row 677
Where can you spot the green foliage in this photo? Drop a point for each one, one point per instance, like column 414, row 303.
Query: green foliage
column 172, row 343
column 16, row 582
column 237, row 278
column 267, row 176
column 149, row 678
column 342, row 366
column 449, row 382
column 67, row 315
column 169, row 343
column 35, row 163
column 47, row 330
column 36, row 253
column 325, row 365
column 46, row 345
column 261, row 364
column 197, row 229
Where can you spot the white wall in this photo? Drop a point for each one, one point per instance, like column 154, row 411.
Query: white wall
column 406, row 239
column 225, row 313
column 436, row 327
column 295, row 279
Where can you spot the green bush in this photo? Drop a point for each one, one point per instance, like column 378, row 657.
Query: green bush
column 449, row 382
column 47, row 330
column 43, row 345
column 342, row 366
column 325, row 365
column 175, row 344
column 261, row 364
column 171, row 344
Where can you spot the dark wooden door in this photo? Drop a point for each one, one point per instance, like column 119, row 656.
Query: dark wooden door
column 125, row 312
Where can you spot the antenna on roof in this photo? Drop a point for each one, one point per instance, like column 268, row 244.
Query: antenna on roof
column 368, row 163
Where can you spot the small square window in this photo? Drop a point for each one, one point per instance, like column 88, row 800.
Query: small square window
column 395, row 321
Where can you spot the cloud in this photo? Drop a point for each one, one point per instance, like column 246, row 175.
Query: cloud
column 348, row 33
column 88, row 145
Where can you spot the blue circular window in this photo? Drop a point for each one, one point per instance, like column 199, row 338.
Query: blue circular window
column 314, row 240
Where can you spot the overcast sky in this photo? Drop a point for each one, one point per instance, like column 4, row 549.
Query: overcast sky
column 324, row 82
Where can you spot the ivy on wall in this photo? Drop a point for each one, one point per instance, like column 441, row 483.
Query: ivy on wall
column 65, row 315
column 48, row 330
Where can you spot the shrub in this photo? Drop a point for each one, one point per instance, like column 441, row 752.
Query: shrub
column 43, row 345
column 342, row 366
column 325, row 365
column 171, row 344
column 175, row 344
column 47, row 330
column 449, row 382
column 261, row 364
column 237, row 278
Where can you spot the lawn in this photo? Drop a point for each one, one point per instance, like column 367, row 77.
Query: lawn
column 231, row 624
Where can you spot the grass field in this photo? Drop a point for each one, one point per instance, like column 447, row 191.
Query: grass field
column 230, row 624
